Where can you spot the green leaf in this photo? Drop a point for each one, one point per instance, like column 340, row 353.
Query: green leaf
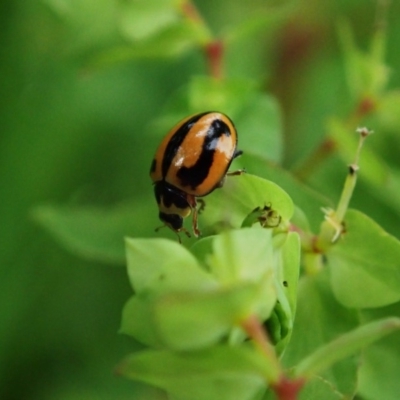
column 290, row 271
column 280, row 323
column 185, row 306
column 142, row 19
column 171, row 42
column 345, row 346
column 366, row 72
column 161, row 265
column 227, row 95
column 197, row 319
column 364, row 266
column 242, row 255
column 318, row 388
column 240, row 195
column 379, row 369
column 206, row 93
column 319, row 320
column 188, row 320
column 259, row 21
column 308, row 200
column 259, row 125
column 389, row 110
column 221, row 372
column 93, row 232
column 202, row 248
column 81, row 35
column 138, row 322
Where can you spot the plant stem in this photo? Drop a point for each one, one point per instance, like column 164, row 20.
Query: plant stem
column 351, row 179
column 333, row 226
column 214, row 53
column 288, row 389
column 284, row 387
column 254, row 329
column 213, row 47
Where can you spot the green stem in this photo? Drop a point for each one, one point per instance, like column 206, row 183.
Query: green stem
column 351, row 179
column 333, row 226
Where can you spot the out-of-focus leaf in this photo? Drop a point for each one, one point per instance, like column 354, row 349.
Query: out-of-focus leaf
column 378, row 377
column 162, row 265
column 389, row 110
column 193, row 320
column 242, row 255
column 142, row 19
column 366, row 72
column 173, row 41
column 290, row 254
column 229, row 96
column 93, row 232
column 260, row 21
column 225, row 373
column 260, row 128
column 76, row 14
column 138, row 322
column 345, row 346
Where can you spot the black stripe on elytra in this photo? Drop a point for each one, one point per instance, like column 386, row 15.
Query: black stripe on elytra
column 193, row 176
column 175, row 142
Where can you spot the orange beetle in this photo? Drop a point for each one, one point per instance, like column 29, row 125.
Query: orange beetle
column 191, row 161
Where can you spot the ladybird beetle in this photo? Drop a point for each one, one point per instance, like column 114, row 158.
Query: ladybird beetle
column 191, row 161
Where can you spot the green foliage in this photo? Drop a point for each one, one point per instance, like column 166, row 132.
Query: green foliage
column 287, row 288
column 222, row 372
column 364, row 266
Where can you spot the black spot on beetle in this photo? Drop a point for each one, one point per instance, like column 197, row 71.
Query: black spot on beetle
column 285, row 283
column 193, row 176
column 176, row 141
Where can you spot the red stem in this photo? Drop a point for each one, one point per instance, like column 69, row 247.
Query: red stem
column 214, row 53
column 287, row 389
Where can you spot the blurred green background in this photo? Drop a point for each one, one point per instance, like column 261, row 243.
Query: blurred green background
column 75, row 134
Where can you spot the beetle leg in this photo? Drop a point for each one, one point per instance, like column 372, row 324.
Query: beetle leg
column 177, row 232
column 237, row 153
column 182, row 230
column 233, row 173
column 237, row 172
column 193, row 204
column 202, row 206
